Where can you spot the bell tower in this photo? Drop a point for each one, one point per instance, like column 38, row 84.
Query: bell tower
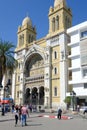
column 60, row 17
column 26, row 33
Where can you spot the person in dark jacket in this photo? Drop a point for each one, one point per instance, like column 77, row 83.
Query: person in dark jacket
column 59, row 113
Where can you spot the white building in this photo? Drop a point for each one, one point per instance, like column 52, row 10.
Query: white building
column 78, row 57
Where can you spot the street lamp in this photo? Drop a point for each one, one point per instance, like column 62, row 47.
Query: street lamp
column 6, row 88
column 0, row 89
column 73, row 94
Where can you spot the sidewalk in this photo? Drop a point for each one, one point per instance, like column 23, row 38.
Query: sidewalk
column 53, row 114
column 65, row 116
column 7, row 117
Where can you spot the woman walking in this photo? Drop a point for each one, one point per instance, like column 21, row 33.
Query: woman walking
column 16, row 117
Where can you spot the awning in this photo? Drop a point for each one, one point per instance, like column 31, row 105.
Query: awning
column 8, row 99
column 5, row 101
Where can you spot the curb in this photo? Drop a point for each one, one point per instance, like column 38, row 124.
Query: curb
column 62, row 117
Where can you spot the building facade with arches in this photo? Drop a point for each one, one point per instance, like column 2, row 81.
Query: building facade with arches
column 41, row 77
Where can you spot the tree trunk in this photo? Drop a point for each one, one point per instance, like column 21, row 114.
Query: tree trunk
column 1, row 76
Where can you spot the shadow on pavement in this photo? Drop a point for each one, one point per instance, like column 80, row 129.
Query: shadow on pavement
column 34, row 124
column 6, row 120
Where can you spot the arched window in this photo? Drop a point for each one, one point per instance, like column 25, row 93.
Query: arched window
column 55, row 70
column 55, row 55
column 22, row 39
column 53, row 25
column 69, row 24
column 18, row 78
column 29, row 38
column 19, row 40
column 17, row 94
column 55, row 91
column 19, row 65
column 57, row 22
column 32, row 39
column 66, row 22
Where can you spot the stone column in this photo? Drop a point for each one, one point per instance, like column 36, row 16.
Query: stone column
column 46, row 98
column 38, row 96
column 31, row 96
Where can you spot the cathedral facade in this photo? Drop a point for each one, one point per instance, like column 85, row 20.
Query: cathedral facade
column 41, row 77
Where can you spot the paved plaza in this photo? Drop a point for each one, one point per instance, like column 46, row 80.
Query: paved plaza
column 37, row 122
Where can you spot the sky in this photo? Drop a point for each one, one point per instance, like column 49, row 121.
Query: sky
column 12, row 13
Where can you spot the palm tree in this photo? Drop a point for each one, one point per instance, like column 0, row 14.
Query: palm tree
column 7, row 60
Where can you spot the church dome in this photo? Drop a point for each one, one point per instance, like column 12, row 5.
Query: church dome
column 27, row 20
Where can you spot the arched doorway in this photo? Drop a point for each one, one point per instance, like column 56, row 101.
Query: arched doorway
column 27, row 96
column 41, row 95
column 34, row 96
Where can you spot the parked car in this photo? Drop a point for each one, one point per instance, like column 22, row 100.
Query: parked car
column 83, row 109
column 0, row 108
column 7, row 108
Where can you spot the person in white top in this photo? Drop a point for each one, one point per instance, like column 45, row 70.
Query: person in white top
column 24, row 112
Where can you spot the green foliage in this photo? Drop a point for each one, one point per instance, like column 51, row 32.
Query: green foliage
column 67, row 100
column 7, row 60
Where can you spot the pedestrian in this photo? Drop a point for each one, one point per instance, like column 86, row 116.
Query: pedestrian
column 19, row 111
column 24, row 112
column 16, row 117
column 78, row 107
column 13, row 106
column 3, row 111
column 30, row 107
column 59, row 113
column 16, row 107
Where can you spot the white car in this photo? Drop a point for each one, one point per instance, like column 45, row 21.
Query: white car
column 0, row 108
column 83, row 109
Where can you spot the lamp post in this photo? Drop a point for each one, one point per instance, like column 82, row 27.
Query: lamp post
column 6, row 88
column 0, row 90
column 73, row 94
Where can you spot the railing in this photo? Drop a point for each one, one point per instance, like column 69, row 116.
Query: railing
column 38, row 78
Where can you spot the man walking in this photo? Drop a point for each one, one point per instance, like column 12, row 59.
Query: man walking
column 24, row 112
column 59, row 113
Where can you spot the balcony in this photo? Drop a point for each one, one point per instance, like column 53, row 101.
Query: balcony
column 38, row 78
column 74, row 56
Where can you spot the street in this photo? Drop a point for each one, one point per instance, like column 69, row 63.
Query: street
column 34, row 122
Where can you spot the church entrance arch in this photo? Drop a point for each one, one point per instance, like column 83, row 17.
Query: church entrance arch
column 34, row 76
column 34, row 66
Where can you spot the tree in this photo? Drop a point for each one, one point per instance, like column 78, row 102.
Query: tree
column 7, row 60
column 68, row 101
